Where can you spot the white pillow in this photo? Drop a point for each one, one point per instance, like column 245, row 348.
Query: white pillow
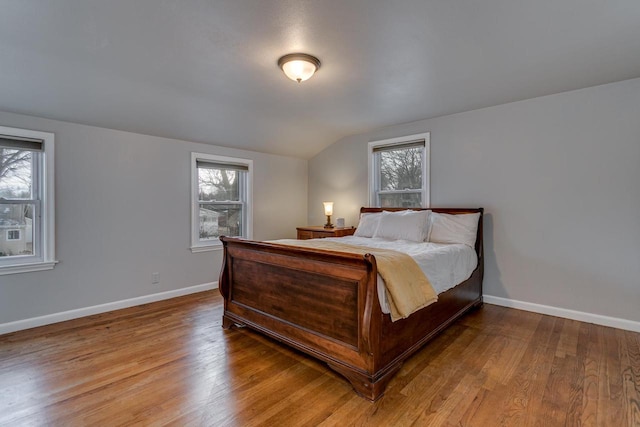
column 368, row 224
column 448, row 228
column 403, row 225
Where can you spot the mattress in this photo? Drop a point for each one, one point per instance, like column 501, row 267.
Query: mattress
column 445, row 265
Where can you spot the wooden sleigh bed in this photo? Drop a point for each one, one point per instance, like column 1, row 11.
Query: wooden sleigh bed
column 325, row 304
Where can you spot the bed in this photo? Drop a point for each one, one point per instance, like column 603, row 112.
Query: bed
column 326, row 304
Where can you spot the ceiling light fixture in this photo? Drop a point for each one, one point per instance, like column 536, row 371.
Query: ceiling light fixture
column 299, row 66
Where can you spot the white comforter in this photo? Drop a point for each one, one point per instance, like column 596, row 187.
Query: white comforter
column 445, row 265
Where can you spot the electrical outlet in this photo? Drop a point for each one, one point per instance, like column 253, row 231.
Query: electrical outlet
column 155, row 278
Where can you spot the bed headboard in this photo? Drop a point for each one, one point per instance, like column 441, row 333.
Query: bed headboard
column 454, row 211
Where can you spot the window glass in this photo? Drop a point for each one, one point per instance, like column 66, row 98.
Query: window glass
column 401, row 169
column 17, row 206
column 220, row 220
column 16, row 174
column 217, row 184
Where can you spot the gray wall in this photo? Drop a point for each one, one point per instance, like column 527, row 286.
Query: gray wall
column 123, row 212
column 559, row 178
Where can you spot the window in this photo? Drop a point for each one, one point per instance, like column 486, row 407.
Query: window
column 399, row 172
column 220, row 199
column 26, row 200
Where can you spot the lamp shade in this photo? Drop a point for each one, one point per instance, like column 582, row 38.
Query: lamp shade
column 299, row 66
column 328, row 208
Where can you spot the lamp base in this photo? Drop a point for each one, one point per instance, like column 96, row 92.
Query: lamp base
column 328, row 224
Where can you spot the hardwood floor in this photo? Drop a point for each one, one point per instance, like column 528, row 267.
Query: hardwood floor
column 170, row 363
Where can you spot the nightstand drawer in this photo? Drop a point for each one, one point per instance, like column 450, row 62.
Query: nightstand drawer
column 320, row 232
column 304, row 234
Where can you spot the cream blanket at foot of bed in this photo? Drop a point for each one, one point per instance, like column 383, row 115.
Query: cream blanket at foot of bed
column 408, row 289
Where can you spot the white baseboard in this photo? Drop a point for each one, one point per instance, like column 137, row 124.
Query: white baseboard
column 33, row 322
column 614, row 322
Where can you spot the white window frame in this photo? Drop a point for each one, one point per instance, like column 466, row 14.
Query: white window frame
column 374, row 170
column 198, row 245
column 44, row 192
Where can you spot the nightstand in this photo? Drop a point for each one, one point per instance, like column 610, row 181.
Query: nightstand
column 315, row 232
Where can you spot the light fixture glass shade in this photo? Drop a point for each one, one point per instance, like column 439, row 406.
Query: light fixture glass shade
column 328, row 208
column 299, row 66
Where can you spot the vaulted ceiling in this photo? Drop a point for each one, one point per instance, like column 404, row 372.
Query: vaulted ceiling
column 205, row 70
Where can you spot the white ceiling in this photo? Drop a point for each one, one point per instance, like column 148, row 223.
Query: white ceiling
column 205, row 70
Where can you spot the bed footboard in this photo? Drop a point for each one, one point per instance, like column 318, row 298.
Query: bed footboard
column 320, row 302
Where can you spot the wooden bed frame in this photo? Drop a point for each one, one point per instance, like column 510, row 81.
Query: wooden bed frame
column 325, row 304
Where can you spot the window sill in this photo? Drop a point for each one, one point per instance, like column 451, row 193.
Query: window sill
column 197, row 249
column 27, row 268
